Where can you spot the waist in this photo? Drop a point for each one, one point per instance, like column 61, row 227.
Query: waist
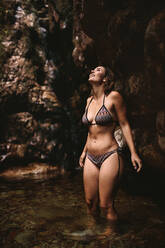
column 101, row 145
column 101, row 134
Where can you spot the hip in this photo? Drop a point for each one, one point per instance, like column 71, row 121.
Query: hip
column 98, row 147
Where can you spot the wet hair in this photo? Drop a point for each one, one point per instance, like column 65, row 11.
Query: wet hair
column 109, row 83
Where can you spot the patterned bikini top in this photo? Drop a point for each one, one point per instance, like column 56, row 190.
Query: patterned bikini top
column 103, row 116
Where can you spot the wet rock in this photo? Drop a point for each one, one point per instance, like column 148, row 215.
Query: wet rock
column 154, row 58
column 31, row 170
column 34, row 122
column 25, row 238
column 20, row 127
column 85, row 235
column 153, row 157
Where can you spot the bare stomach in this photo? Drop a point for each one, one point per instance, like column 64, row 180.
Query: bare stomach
column 101, row 144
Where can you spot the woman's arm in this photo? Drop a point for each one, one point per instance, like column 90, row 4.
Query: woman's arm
column 120, row 109
column 83, row 155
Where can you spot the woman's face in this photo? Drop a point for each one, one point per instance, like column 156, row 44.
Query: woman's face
column 97, row 75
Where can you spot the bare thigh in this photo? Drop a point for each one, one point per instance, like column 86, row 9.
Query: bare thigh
column 109, row 177
column 91, row 180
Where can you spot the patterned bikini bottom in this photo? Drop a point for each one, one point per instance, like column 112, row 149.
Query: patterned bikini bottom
column 99, row 159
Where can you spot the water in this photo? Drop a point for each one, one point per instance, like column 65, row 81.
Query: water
column 51, row 213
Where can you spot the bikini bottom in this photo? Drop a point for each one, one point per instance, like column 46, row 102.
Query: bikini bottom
column 99, row 159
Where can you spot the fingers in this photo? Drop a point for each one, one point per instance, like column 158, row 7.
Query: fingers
column 137, row 165
column 82, row 159
column 81, row 162
column 134, row 164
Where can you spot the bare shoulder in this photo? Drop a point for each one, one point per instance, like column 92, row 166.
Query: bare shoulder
column 89, row 99
column 115, row 96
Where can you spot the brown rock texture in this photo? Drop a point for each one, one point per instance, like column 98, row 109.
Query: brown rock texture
column 34, row 123
column 129, row 37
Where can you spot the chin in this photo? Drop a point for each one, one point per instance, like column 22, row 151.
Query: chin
column 91, row 80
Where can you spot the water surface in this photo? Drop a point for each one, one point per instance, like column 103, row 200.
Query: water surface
column 51, row 213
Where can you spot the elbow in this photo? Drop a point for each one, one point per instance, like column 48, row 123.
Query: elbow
column 123, row 124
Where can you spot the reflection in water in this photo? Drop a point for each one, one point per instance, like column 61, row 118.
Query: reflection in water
column 51, row 212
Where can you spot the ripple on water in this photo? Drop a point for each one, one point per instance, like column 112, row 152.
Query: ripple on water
column 52, row 213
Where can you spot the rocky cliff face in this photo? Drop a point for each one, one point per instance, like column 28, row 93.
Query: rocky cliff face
column 34, row 124
column 129, row 37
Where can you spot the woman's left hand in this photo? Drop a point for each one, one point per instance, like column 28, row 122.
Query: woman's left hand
column 136, row 161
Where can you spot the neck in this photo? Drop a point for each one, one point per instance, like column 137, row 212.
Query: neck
column 98, row 91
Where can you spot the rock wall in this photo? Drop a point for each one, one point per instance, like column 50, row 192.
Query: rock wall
column 34, row 123
column 129, row 37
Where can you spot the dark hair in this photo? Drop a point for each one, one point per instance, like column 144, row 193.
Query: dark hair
column 109, row 83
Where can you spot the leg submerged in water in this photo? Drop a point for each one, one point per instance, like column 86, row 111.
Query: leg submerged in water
column 91, row 187
column 110, row 174
column 101, row 185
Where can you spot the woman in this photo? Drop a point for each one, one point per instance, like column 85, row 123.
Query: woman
column 101, row 157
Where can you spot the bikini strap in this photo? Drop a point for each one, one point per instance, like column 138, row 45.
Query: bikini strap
column 119, row 165
column 103, row 100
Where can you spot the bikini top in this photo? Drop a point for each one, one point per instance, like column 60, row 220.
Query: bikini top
column 102, row 118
